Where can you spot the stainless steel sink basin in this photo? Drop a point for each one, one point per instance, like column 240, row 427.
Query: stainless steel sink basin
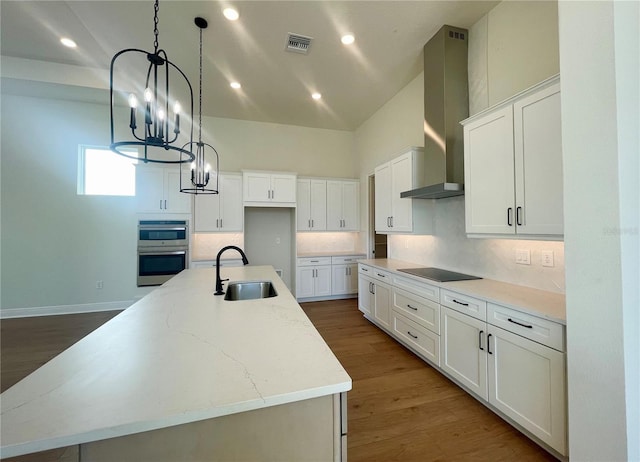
column 250, row 290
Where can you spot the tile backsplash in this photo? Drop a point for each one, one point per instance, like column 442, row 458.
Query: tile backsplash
column 449, row 248
column 205, row 246
column 326, row 242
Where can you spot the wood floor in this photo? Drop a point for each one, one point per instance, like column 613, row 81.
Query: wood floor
column 399, row 409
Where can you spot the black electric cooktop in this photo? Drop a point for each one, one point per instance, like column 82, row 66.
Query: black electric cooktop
column 437, row 274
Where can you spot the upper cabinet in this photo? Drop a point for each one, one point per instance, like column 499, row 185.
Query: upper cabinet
column 158, row 190
column 220, row 212
column 394, row 214
column 342, row 205
column 312, row 205
column 269, row 189
column 513, row 166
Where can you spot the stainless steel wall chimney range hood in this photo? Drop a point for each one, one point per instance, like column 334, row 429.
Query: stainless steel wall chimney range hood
column 446, row 103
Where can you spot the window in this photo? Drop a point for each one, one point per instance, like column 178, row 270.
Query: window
column 102, row 172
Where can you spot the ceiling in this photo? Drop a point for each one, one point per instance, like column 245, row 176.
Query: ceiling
column 354, row 80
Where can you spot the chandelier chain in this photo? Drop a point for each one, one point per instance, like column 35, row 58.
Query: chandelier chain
column 155, row 26
column 200, row 94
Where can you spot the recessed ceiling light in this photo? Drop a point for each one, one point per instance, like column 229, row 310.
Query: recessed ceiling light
column 235, row 85
column 348, row 39
column 231, row 14
column 316, row 95
column 67, row 42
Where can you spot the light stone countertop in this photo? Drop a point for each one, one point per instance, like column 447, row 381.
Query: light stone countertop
column 178, row 355
column 541, row 303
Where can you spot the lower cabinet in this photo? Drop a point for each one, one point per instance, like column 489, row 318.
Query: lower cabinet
column 344, row 275
column 313, row 277
column 513, row 361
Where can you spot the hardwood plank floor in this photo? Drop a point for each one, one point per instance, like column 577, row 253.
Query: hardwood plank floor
column 400, row 408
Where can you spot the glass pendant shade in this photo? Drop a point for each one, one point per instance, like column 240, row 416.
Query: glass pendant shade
column 151, row 87
column 204, row 169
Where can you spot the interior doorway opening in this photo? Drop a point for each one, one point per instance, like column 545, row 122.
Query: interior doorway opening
column 377, row 242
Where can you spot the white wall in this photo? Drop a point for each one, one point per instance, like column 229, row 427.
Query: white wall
column 399, row 123
column 600, row 126
column 56, row 244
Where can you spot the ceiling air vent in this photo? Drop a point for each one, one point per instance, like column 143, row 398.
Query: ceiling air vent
column 297, row 43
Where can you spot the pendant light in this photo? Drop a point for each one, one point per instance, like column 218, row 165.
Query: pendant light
column 204, row 175
column 158, row 136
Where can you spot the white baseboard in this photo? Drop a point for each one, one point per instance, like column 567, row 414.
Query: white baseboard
column 64, row 309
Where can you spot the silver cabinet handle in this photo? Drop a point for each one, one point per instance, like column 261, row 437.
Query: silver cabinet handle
column 381, row 275
column 392, row 222
column 165, row 204
column 313, row 225
column 365, row 270
column 220, row 222
column 160, row 204
column 217, row 222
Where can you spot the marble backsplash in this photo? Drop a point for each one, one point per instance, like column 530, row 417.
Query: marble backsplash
column 205, row 246
column 449, row 248
column 326, row 242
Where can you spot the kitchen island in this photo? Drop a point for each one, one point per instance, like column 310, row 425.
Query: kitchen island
column 185, row 375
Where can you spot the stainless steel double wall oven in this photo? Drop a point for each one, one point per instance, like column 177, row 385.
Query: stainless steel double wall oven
column 163, row 250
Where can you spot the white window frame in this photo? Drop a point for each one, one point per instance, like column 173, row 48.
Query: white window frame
column 82, row 170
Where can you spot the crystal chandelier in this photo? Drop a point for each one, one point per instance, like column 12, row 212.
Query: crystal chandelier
column 158, row 133
column 204, row 176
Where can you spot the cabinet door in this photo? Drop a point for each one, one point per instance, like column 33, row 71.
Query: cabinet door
column 382, row 305
column 257, row 187
column 318, row 205
column 352, row 279
column 527, row 383
column 383, row 198
column 305, row 282
column 283, row 188
column 334, row 205
column 149, row 189
column 322, row 283
column 538, row 163
column 339, row 279
column 303, row 205
column 463, row 350
column 365, row 294
column 206, row 213
column 401, row 180
column 231, row 210
column 177, row 202
column 488, row 166
column 350, row 209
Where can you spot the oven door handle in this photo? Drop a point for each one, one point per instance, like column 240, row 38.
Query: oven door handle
column 178, row 252
column 162, row 228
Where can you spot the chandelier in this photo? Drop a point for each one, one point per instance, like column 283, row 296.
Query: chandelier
column 157, row 130
column 204, row 180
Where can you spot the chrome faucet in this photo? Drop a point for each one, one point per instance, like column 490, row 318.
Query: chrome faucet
column 219, row 290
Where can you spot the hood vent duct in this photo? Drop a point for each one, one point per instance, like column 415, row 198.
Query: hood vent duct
column 446, row 103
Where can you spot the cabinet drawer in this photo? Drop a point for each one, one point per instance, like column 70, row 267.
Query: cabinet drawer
column 419, row 288
column 425, row 342
column 381, row 275
column 539, row 330
column 313, row 261
column 346, row 259
column 464, row 304
column 421, row 310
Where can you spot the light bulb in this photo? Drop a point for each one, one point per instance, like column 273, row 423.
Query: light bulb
column 207, row 168
column 235, row 85
column 193, row 165
column 148, row 95
column 177, row 108
column 133, row 101
column 348, row 39
column 316, row 96
column 231, row 14
column 160, row 114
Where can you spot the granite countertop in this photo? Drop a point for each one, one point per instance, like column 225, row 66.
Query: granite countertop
column 178, row 355
column 328, row 254
column 541, row 303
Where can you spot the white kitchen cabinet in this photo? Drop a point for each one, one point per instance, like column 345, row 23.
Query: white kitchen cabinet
column 311, row 210
column 394, row 214
column 422, row 340
column 343, row 197
column 313, row 277
column 513, row 166
column 222, row 212
column 522, row 378
column 158, row 190
column 344, row 274
column 269, row 189
column 378, row 303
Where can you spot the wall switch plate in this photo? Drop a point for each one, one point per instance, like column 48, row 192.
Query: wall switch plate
column 523, row 256
column 99, row 284
column 547, row 258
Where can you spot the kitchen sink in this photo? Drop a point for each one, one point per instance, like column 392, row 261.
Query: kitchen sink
column 250, row 290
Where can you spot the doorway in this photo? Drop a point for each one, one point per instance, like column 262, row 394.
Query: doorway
column 377, row 242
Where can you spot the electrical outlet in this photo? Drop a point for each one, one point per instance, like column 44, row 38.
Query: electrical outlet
column 277, row 240
column 99, row 284
column 523, row 256
column 547, row 258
